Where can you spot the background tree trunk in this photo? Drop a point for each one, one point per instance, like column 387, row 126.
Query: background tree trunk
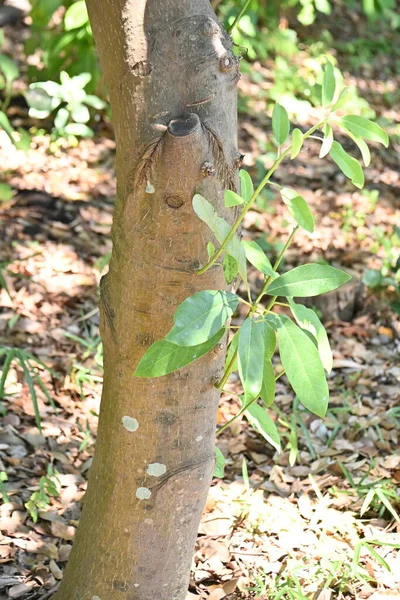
column 172, row 80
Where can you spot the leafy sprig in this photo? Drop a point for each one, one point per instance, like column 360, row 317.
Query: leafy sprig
column 202, row 320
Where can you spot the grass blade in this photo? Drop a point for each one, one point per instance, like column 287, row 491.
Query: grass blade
column 29, row 381
column 43, row 387
column 6, row 368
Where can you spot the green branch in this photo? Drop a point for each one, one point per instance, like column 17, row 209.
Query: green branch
column 239, row 16
column 250, row 203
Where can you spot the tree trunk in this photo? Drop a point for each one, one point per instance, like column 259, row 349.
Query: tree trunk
column 172, row 80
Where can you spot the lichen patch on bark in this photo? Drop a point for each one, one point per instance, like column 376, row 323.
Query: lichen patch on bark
column 156, row 470
column 130, row 423
column 143, row 493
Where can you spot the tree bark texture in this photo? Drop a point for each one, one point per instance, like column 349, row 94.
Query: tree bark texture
column 172, row 78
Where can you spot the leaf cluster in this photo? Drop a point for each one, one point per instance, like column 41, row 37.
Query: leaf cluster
column 29, row 364
column 66, row 101
column 203, row 320
column 41, row 499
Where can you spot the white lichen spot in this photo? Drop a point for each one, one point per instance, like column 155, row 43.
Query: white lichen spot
column 156, row 469
column 199, row 438
column 95, row 598
column 130, row 423
column 135, row 585
column 143, row 493
column 150, row 189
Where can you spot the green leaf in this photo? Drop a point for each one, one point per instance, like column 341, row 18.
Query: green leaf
column 251, row 357
column 347, row 164
column 45, row 391
column 232, row 349
column 40, row 102
column 256, row 256
column 79, row 129
column 297, row 142
column 52, row 89
column 274, row 322
column 94, row 101
column 379, row 559
column 5, row 369
column 362, row 146
column 230, row 268
column 210, row 249
column 280, row 124
column 219, row 467
column 306, row 16
column 328, row 141
column 267, row 392
column 6, row 125
column 199, row 317
column 28, row 378
column 342, row 99
column 6, row 192
column 323, row 6
column 298, row 208
column 388, row 506
column 307, row 319
column 80, row 81
column 76, row 16
column 269, row 341
column 246, row 185
column 308, row 280
column 366, row 129
column 328, row 84
column 34, row 113
column 24, row 141
column 232, row 198
column 372, row 278
column 8, row 68
column 80, row 113
column 3, row 284
column 61, row 118
column 303, row 367
column 220, row 228
column 163, row 357
column 263, row 424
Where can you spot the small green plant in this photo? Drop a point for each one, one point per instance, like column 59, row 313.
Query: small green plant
column 30, row 366
column 291, row 425
column 9, row 72
column 379, row 496
column 41, row 499
column 67, row 101
column 368, row 544
column 61, row 29
column 306, row 578
column 378, row 9
column 92, row 344
column 388, row 276
column 83, row 375
column 200, row 321
column 87, row 435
